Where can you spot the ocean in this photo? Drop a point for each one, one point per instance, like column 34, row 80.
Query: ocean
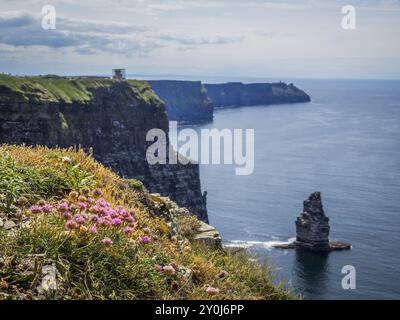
column 345, row 144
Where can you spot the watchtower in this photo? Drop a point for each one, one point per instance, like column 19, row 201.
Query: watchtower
column 118, row 74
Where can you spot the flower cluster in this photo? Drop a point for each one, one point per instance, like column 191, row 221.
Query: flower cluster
column 168, row 269
column 89, row 213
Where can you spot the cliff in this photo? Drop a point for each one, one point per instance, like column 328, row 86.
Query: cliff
column 72, row 229
column 236, row 94
column 110, row 117
column 186, row 101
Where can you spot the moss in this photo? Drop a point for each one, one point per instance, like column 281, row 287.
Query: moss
column 63, row 121
column 136, row 184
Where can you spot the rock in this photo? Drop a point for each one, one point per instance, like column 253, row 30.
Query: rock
column 208, row 235
column 49, row 285
column 338, row 245
column 187, row 274
column 312, row 226
column 288, row 245
column 312, row 229
column 9, row 224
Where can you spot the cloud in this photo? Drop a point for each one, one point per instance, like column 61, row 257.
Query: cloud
column 80, row 25
column 199, row 40
column 166, row 6
column 15, row 19
column 86, row 36
column 92, row 36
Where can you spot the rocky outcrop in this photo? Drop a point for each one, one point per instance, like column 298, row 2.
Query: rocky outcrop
column 170, row 211
column 110, row 117
column 312, row 229
column 208, row 235
column 237, row 94
column 185, row 101
column 312, row 226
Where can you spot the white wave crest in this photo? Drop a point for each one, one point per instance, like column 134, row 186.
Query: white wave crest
column 257, row 244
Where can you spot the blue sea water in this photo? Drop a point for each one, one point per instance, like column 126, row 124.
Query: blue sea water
column 346, row 144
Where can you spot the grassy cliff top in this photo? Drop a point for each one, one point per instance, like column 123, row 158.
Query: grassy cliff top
column 60, row 89
column 61, row 209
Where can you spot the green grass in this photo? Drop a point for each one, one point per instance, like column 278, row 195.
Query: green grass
column 88, row 269
column 43, row 89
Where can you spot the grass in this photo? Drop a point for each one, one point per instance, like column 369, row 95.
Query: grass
column 129, row 268
column 44, row 89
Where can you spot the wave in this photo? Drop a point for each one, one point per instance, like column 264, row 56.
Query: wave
column 257, row 244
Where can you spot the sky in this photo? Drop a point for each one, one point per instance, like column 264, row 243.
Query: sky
column 198, row 38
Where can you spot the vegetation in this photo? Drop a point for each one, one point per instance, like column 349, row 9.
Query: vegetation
column 101, row 233
column 67, row 90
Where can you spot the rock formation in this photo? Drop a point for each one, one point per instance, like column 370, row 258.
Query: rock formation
column 237, row 94
column 185, row 101
column 110, row 117
column 312, row 229
column 312, row 226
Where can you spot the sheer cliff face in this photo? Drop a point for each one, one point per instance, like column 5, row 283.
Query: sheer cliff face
column 186, row 101
column 236, row 94
column 110, row 117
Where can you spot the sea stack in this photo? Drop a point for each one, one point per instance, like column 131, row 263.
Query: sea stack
column 312, row 229
column 312, row 226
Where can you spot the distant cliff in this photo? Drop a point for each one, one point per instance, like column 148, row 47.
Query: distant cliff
column 112, row 117
column 186, row 101
column 236, row 94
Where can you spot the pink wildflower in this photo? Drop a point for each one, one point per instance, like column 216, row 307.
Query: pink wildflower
column 103, row 203
column 103, row 222
column 145, row 239
column 67, row 215
column 116, row 221
column 169, row 270
column 80, row 219
column 71, row 224
column 35, row 209
column 212, row 290
column 103, row 211
column 47, row 208
column 107, row 242
column 158, row 268
column 129, row 219
column 112, row 213
column 128, row 230
column 63, row 206
column 93, row 230
column 94, row 218
column 82, row 205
